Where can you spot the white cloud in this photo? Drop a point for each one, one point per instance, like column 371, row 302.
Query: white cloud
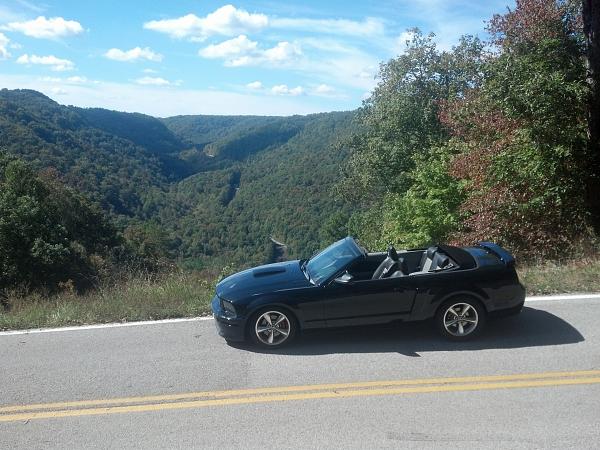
column 240, row 45
column 56, row 64
column 225, row 21
column 58, row 91
column 43, row 28
column 69, row 81
column 150, row 71
column 255, row 85
column 4, row 41
column 324, row 89
column 77, row 80
column 354, row 69
column 241, row 51
column 371, row 26
column 282, row 52
column 283, row 89
column 153, row 81
column 133, row 55
column 229, row 21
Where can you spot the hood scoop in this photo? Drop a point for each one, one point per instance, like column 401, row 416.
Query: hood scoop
column 267, row 271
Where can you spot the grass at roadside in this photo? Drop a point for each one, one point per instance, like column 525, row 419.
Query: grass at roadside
column 170, row 296
column 186, row 294
column 558, row 278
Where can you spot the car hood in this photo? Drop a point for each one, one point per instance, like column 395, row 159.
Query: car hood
column 262, row 279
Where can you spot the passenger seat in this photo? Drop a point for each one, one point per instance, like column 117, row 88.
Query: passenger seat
column 432, row 259
column 427, row 259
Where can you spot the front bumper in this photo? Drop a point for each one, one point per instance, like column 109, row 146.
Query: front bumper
column 232, row 329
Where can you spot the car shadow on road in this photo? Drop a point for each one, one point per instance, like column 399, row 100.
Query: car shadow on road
column 532, row 328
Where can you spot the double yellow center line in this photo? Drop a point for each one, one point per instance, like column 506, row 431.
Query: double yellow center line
column 281, row 394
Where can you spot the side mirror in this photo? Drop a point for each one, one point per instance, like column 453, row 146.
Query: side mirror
column 345, row 278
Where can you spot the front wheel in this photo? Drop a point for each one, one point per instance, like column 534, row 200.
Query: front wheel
column 272, row 327
column 460, row 319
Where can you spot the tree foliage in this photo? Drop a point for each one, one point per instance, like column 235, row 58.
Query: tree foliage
column 471, row 145
column 400, row 120
column 49, row 233
column 397, row 169
column 523, row 133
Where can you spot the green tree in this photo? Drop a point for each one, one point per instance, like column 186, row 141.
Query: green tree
column 400, row 130
column 48, row 232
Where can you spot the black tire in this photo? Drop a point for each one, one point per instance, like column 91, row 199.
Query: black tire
column 274, row 335
column 448, row 318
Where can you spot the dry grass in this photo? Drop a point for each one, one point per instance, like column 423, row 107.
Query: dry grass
column 558, row 278
column 140, row 298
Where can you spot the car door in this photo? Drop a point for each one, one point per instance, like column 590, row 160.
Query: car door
column 368, row 301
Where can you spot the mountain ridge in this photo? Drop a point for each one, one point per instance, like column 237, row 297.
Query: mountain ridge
column 218, row 186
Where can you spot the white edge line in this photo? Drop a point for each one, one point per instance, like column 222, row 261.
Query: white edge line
column 541, row 298
column 545, row 298
column 105, row 325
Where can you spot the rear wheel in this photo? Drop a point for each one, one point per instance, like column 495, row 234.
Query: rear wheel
column 272, row 327
column 460, row 319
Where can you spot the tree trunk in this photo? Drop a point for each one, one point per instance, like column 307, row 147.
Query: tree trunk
column 591, row 27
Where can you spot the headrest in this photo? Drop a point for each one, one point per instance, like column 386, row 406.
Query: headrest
column 443, row 262
column 403, row 266
column 392, row 253
column 431, row 251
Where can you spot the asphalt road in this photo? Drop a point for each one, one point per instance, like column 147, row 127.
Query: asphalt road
column 529, row 382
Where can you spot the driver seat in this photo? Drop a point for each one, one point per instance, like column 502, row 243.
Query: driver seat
column 388, row 266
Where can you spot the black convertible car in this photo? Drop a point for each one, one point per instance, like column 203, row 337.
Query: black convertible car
column 345, row 285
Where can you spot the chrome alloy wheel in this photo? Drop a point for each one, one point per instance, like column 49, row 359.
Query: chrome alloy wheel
column 461, row 319
column 272, row 328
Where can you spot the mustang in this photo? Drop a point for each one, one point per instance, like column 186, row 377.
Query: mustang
column 345, row 285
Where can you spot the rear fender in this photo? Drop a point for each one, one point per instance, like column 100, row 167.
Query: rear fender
column 426, row 305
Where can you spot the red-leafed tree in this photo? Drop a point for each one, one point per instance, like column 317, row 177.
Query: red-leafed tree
column 520, row 139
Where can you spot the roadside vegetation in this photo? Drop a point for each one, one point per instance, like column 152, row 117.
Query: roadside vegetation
column 553, row 277
column 188, row 294
column 149, row 297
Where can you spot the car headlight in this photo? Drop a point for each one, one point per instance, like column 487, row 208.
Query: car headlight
column 228, row 308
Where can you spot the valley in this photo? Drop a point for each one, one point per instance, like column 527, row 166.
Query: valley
column 216, row 186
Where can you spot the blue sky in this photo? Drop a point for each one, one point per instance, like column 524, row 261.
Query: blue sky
column 208, row 57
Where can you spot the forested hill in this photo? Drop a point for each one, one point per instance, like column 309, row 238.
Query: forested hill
column 213, row 188
column 283, row 190
column 109, row 167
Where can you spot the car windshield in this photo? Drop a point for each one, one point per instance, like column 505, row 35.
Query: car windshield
column 331, row 260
